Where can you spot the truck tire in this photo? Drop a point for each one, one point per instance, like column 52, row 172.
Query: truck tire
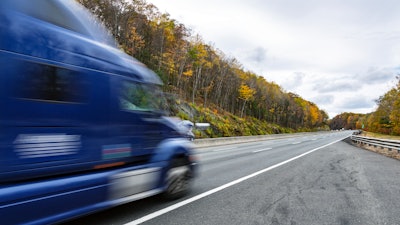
column 177, row 179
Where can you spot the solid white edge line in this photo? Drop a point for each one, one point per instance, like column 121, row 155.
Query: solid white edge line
column 220, row 188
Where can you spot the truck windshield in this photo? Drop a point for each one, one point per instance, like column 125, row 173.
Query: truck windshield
column 141, row 97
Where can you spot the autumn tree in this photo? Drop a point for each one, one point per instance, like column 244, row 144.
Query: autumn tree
column 245, row 94
column 386, row 119
column 198, row 72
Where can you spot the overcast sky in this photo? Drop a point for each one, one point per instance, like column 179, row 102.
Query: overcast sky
column 339, row 54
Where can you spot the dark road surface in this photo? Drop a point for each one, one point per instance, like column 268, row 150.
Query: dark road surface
column 314, row 179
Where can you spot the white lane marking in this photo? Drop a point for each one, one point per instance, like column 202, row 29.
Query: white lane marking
column 261, row 150
column 222, row 149
column 235, row 148
column 220, row 188
column 297, row 142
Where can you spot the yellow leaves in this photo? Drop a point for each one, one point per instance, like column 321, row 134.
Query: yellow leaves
column 168, row 63
column 242, row 74
column 208, row 64
column 137, row 41
column 314, row 113
column 188, row 73
column 198, row 52
column 245, row 92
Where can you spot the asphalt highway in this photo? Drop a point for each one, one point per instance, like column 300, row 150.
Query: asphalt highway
column 316, row 178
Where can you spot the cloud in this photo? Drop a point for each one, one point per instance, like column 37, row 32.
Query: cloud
column 332, row 85
column 323, row 99
column 356, row 103
column 293, row 81
column 375, row 36
column 378, row 75
column 258, row 55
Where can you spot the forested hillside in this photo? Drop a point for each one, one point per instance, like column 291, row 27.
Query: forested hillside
column 202, row 76
column 385, row 120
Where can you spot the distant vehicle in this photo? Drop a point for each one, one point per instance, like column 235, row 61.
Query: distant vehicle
column 81, row 123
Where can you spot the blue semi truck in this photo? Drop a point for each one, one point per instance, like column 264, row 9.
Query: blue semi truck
column 81, row 123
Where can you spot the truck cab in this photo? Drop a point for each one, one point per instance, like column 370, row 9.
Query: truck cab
column 78, row 117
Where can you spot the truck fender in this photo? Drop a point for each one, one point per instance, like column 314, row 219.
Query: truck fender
column 172, row 148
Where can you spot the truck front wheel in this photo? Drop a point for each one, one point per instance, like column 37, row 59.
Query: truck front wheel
column 178, row 179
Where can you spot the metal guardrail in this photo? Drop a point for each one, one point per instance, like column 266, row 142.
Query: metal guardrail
column 375, row 142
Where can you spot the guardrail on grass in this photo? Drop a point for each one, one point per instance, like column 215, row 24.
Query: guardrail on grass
column 376, row 143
